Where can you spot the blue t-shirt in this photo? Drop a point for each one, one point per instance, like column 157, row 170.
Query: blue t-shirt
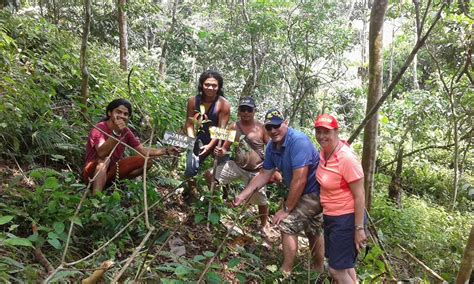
column 296, row 152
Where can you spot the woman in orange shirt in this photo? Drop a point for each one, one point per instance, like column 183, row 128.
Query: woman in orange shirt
column 341, row 178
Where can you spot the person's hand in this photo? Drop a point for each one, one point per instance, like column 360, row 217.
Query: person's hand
column 237, row 201
column 276, row 177
column 360, row 239
column 173, row 151
column 205, row 150
column 219, row 152
column 121, row 123
column 280, row 216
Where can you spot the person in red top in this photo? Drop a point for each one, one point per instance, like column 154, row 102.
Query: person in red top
column 104, row 138
column 341, row 178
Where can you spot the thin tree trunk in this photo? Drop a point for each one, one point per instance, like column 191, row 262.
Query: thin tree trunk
column 83, row 54
column 395, row 188
column 363, row 39
column 456, row 148
column 123, row 34
column 467, row 261
column 397, row 78
column 369, row 153
column 164, row 46
column 390, row 65
column 416, row 86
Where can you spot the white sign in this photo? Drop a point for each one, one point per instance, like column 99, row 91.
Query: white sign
column 178, row 140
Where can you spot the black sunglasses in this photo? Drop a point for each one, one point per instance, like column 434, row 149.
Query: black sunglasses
column 269, row 127
column 245, row 109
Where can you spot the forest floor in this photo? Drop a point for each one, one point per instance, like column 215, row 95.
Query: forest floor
column 193, row 244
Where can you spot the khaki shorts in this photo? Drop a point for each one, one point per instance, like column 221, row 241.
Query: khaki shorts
column 229, row 171
column 307, row 216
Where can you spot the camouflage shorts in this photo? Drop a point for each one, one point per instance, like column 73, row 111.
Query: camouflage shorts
column 307, row 216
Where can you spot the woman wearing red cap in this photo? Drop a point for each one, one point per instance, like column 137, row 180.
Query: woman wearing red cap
column 341, row 178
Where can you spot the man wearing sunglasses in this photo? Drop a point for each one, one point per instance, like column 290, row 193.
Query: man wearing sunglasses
column 248, row 158
column 292, row 153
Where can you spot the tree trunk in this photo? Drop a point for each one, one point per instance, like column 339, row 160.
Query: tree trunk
column 416, row 86
column 362, row 70
column 467, row 261
column 83, row 54
column 369, row 153
column 164, row 46
column 123, row 35
column 395, row 188
column 456, row 148
column 398, row 77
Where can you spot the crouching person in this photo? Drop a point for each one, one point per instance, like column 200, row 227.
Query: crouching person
column 104, row 139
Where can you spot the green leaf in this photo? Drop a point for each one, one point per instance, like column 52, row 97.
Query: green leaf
column 208, row 253
column 198, row 218
column 234, row 262
column 212, row 277
column 5, row 219
column 214, row 218
column 57, row 157
column 76, row 220
column 181, row 270
column 33, row 237
column 18, row 242
column 53, row 235
column 58, row 227
column 198, row 258
column 241, row 278
column 272, row 268
column 55, row 243
column 51, row 182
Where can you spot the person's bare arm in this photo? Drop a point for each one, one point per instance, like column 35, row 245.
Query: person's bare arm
column 357, row 188
column 189, row 124
column 298, row 183
column 155, row 152
column 257, row 182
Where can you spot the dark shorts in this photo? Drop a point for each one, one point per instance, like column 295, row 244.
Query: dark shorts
column 339, row 241
column 193, row 159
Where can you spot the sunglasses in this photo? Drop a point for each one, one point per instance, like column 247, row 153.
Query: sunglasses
column 269, row 127
column 245, row 109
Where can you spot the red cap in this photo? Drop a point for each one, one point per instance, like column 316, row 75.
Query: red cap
column 327, row 121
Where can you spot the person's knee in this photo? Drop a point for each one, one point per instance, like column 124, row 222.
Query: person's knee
column 102, row 165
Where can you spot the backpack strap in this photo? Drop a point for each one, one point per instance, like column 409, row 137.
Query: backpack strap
column 248, row 141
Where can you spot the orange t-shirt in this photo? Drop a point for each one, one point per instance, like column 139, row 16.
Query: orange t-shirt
column 334, row 176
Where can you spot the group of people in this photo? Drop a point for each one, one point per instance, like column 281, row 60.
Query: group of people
column 325, row 190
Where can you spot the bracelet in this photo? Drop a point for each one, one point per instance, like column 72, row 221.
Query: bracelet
column 116, row 134
column 359, row 228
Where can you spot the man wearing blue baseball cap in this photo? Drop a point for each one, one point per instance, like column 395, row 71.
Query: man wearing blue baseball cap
column 291, row 152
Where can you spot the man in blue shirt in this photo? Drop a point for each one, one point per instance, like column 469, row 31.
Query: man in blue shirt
column 292, row 153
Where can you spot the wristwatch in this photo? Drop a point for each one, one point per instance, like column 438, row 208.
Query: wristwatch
column 286, row 209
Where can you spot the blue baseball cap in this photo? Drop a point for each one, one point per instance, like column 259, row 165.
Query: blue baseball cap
column 274, row 117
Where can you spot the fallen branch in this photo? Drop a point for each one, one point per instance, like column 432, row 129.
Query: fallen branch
column 422, row 264
column 39, row 256
column 139, row 272
column 98, row 274
column 133, row 256
column 375, row 238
